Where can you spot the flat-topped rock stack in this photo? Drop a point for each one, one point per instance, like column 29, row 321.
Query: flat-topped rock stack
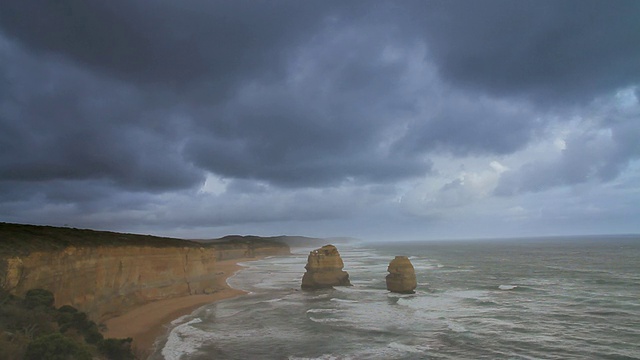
column 324, row 269
column 402, row 276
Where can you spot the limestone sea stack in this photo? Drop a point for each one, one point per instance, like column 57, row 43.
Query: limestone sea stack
column 402, row 276
column 324, row 269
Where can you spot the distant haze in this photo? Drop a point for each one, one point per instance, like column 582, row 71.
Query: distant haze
column 380, row 120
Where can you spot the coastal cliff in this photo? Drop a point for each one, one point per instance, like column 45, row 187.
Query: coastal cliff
column 105, row 274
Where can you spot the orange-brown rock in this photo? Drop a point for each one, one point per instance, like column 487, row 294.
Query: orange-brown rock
column 324, row 269
column 104, row 276
column 105, row 281
column 402, row 276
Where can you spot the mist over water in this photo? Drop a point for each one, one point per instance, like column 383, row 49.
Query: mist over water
column 563, row 298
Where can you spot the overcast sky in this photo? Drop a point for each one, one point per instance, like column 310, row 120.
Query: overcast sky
column 383, row 120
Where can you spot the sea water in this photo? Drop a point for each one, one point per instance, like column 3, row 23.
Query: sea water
column 552, row 298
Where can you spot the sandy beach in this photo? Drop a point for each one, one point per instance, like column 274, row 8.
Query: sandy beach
column 148, row 322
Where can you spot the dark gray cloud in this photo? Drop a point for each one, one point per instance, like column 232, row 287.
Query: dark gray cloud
column 124, row 104
column 166, row 43
column 463, row 126
column 170, row 61
column 323, row 124
column 553, row 51
column 59, row 122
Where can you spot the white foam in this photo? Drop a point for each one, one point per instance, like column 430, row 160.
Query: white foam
column 357, row 290
column 225, row 313
column 183, row 339
column 321, row 296
column 423, row 267
column 343, row 300
column 399, row 295
column 455, row 327
column 327, row 320
column 321, row 357
column 415, row 303
column 180, row 320
column 434, row 305
column 322, row 311
column 409, row 348
column 507, row 287
column 273, row 300
column 366, row 282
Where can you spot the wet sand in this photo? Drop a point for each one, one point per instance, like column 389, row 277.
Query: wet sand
column 148, row 322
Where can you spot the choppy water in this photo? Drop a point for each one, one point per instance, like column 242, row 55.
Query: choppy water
column 565, row 298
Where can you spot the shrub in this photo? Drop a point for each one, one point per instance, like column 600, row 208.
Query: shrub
column 67, row 309
column 38, row 298
column 69, row 317
column 18, row 319
column 91, row 334
column 116, row 349
column 56, row 347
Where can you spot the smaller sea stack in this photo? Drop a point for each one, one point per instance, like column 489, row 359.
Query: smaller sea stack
column 324, row 269
column 402, row 276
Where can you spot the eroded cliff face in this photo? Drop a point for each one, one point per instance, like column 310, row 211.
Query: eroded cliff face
column 324, row 269
column 106, row 281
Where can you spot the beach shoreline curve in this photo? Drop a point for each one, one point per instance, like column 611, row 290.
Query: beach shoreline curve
column 148, row 324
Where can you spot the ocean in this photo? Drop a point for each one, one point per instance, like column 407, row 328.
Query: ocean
column 544, row 298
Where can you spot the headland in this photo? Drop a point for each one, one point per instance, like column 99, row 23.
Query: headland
column 131, row 284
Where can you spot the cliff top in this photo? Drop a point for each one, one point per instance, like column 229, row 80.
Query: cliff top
column 22, row 239
column 327, row 250
column 284, row 239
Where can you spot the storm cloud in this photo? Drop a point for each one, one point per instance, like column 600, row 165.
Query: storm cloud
column 194, row 118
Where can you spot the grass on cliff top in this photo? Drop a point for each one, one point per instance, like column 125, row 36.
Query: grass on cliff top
column 18, row 239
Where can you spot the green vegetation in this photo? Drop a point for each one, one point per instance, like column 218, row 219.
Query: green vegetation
column 56, row 346
column 17, row 239
column 20, row 240
column 32, row 328
column 38, row 298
